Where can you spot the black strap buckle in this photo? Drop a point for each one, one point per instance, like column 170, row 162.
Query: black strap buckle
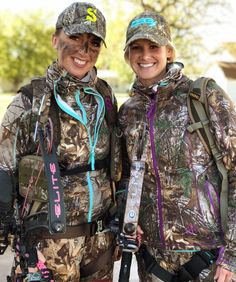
column 96, row 227
column 100, row 226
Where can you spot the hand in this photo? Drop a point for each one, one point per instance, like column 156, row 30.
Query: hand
column 139, row 235
column 223, row 275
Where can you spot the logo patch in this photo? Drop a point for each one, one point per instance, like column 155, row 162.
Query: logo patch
column 149, row 21
column 91, row 15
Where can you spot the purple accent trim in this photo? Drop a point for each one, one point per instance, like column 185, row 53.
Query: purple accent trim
column 108, row 104
column 220, row 255
column 206, row 185
column 150, row 116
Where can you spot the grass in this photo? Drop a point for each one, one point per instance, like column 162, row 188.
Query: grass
column 6, row 98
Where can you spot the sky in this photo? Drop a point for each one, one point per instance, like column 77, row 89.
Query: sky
column 49, row 5
column 212, row 34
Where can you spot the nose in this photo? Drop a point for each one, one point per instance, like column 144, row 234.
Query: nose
column 145, row 53
column 83, row 48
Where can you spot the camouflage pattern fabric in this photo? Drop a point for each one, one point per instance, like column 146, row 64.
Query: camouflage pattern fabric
column 16, row 141
column 66, row 256
column 172, row 262
column 148, row 25
column 182, row 213
column 82, row 18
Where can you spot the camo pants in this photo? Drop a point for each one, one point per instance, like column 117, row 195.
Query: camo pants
column 65, row 257
column 172, row 261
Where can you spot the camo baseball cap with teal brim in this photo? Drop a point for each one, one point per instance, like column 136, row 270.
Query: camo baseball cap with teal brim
column 149, row 25
column 82, row 17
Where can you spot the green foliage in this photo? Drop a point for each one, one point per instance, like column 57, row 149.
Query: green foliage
column 25, row 47
column 231, row 47
column 112, row 57
column 185, row 18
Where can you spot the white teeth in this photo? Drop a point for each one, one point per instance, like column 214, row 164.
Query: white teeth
column 79, row 62
column 146, row 65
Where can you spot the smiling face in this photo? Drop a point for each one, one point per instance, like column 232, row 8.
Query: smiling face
column 148, row 60
column 77, row 54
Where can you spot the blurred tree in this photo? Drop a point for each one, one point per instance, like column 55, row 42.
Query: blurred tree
column 231, row 47
column 112, row 58
column 186, row 17
column 25, row 47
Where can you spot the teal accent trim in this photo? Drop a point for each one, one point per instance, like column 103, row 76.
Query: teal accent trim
column 185, row 251
column 84, row 115
column 90, row 186
column 120, row 191
column 83, row 119
column 65, row 107
column 164, row 83
column 99, row 119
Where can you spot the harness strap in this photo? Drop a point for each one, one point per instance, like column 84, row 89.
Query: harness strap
column 99, row 164
column 200, row 116
column 37, row 224
column 85, row 229
column 153, row 267
column 96, row 265
column 199, row 261
column 189, row 271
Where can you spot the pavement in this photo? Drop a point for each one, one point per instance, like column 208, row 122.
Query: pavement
column 7, row 259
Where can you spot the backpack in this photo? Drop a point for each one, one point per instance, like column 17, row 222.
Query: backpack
column 34, row 91
column 40, row 83
column 199, row 114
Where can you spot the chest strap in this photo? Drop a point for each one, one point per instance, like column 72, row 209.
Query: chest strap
column 189, row 271
column 99, row 164
column 36, row 225
column 85, row 229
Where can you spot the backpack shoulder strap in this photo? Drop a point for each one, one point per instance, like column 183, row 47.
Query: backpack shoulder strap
column 111, row 117
column 27, row 90
column 110, row 101
column 198, row 110
column 199, row 114
column 42, row 109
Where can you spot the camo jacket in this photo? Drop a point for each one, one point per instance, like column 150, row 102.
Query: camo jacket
column 181, row 188
column 16, row 141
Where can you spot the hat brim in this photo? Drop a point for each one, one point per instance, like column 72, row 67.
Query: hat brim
column 79, row 29
column 162, row 41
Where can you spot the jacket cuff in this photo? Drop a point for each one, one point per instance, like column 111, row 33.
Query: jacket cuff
column 227, row 259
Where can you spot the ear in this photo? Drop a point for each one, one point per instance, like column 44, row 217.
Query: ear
column 54, row 41
column 169, row 52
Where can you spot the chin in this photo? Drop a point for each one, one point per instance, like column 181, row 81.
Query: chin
column 78, row 74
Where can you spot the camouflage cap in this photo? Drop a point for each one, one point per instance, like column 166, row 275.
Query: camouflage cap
column 149, row 25
column 82, row 17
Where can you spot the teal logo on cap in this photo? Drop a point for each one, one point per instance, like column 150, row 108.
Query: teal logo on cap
column 149, row 21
